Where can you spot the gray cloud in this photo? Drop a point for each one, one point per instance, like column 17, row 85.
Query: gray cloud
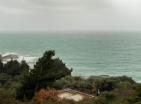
column 86, row 15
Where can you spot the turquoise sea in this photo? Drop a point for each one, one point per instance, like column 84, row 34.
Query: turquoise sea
column 88, row 54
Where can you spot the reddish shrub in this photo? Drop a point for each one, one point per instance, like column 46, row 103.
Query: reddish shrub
column 44, row 95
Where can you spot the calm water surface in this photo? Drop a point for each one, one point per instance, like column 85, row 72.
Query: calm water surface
column 88, row 54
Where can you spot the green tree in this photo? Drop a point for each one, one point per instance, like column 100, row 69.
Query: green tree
column 46, row 71
column 12, row 68
column 1, row 66
column 24, row 68
column 4, row 78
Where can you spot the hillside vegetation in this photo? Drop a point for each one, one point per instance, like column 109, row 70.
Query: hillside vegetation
column 19, row 84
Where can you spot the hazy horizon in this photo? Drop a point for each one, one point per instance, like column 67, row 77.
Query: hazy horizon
column 74, row 15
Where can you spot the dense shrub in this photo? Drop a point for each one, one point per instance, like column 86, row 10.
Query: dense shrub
column 4, row 78
column 5, row 98
column 16, row 81
column 46, row 71
column 1, row 65
column 44, row 95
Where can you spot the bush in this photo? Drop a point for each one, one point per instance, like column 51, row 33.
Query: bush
column 5, row 98
column 4, row 78
column 46, row 71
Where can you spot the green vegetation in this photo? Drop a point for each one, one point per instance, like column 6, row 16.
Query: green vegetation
column 19, row 83
column 45, row 72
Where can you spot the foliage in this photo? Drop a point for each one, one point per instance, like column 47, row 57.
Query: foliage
column 46, row 71
column 24, row 67
column 17, row 80
column 13, row 67
column 44, row 95
column 4, row 78
column 5, row 98
column 1, row 66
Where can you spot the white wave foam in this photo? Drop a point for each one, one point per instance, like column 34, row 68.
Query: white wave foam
column 29, row 59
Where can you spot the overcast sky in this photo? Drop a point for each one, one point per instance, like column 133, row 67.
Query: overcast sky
column 70, row 15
